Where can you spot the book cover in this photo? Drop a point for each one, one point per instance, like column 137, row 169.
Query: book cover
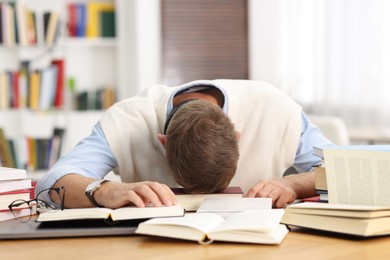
column 59, row 90
column 191, row 202
column 111, row 215
column 256, row 226
column 107, row 23
column 6, row 157
column 93, row 21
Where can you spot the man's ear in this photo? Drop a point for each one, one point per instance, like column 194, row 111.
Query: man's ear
column 162, row 138
column 238, row 135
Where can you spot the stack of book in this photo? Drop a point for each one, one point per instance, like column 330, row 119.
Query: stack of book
column 321, row 185
column 357, row 220
column 14, row 185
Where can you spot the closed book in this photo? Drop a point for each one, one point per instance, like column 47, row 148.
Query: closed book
column 60, row 81
column 358, row 220
column 111, row 215
column 94, row 10
column 191, row 202
column 7, row 198
column 320, row 177
column 256, row 226
column 7, row 173
column 11, row 185
column 107, row 23
column 19, row 213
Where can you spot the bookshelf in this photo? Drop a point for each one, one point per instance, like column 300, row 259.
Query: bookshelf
column 92, row 62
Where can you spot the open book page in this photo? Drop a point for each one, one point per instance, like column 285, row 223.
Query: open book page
column 358, row 176
column 191, row 227
column 228, row 206
column 258, row 226
column 253, row 220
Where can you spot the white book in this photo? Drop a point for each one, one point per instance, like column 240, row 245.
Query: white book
column 7, row 173
column 11, row 185
column 255, row 226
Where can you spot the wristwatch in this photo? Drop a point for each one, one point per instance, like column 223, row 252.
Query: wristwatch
column 90, row 190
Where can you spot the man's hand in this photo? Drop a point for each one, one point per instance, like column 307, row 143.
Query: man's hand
column 140, row 194
column 279, row 191
column 115, row 194
column 286, row 190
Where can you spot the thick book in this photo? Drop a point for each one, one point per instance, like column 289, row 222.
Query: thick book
column 111, row 215
column 257, row 226
column 358, row 174
column 11, row 185
column 355, row 220
column 191, row 202
column 7, row 173
column 7, row 198
column 6, row 214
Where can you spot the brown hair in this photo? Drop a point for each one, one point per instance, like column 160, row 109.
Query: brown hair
column 201, row 147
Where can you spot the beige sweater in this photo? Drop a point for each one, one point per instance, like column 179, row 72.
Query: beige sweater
column 268, row 120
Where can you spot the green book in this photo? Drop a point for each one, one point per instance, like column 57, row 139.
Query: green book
column 107, row 24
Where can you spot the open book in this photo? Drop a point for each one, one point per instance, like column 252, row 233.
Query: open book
column 358, row 174
column 356, row 220
column 126, row 213
column 257, row 226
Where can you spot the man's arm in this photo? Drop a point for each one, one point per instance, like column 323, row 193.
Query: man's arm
column 115, row 194
column 285, row 190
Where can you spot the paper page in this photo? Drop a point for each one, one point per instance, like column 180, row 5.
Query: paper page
column 227, row 206
column 199, row 221
column 253, row 220
column 358, row 176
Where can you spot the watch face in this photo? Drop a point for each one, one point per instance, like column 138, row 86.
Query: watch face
column 92, row 186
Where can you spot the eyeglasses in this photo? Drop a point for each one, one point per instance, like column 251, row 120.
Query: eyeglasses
column 39, row 205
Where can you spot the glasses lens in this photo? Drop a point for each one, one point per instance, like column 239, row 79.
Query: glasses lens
column 22, row 210
column 46, row 196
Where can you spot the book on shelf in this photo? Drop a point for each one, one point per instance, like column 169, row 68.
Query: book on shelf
column 255, row 226
column 358, row 174
column 94, row 17
column 191, row 202
column 228, row 206
column 358, row 220
column 111, row 215
column 6, row 158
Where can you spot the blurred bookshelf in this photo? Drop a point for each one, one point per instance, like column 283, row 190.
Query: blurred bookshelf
column 63, row 65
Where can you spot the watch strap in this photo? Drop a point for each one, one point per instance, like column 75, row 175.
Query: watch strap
column 90, row 193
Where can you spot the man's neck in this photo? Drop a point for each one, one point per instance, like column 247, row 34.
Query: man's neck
column 212, row 95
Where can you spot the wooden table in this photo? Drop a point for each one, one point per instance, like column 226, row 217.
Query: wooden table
column 303, row 245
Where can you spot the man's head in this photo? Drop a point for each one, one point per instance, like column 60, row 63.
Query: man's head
column 201, row 147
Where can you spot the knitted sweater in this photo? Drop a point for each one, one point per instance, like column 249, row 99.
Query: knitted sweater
column 268, row 121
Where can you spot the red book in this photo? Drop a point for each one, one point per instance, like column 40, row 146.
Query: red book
column 72, row 19
column 59, row 92
column 191, row 202
column 15, row 90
